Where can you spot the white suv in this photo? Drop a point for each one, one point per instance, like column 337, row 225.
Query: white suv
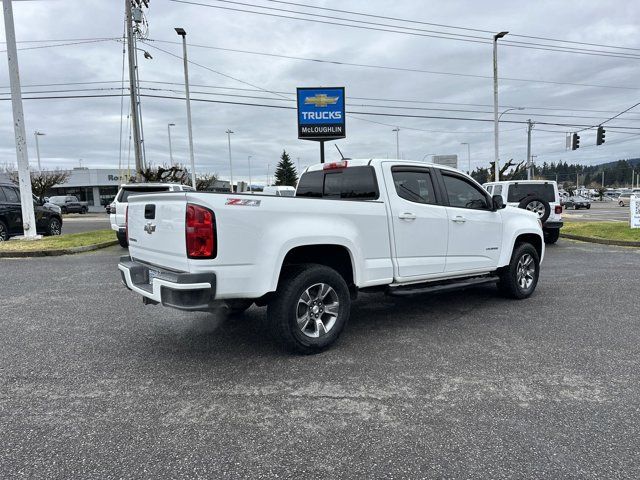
column 118, row 211
column 539, row 196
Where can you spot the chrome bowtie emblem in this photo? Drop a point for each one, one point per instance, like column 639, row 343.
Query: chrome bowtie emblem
column 149, row 228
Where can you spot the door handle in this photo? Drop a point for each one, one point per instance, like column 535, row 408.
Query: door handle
column 407, row 216
column 458, row 219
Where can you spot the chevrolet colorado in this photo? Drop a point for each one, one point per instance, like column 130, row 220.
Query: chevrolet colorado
column 354, row 225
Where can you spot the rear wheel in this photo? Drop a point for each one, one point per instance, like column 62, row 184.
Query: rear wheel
column 4, row 232
column 83, row 210
column 122, row 239
column 551, row 235
column 519, row 279
column 310, row 308
column 54, row 227
column 621, row 203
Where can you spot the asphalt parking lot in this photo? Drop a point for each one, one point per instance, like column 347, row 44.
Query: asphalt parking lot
column 461, row 385
column 599, row 212
column 76, row 223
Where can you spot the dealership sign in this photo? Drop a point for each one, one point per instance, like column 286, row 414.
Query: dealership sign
column 634, row 205
column 321, row 113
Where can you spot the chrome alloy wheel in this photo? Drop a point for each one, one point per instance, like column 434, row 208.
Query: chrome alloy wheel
column 55, row 227
column 525, row 271
column 536, row 207
column 3, row 233
column 317, row 310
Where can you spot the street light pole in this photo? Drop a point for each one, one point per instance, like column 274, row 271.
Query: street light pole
column 249, row 159
column 495, row 103
column 397, row 130
column 24, row 178
column 169, row 125
column 229, row 132
column 38, row 134
column 183, row 34
column 427, row 154
column 468, row 156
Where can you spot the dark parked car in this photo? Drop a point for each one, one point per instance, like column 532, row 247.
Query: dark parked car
column 69, row 204
column 576, row 202
column 48, row 219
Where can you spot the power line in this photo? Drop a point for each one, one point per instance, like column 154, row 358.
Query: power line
column 65, row 44
column 400, row 69
column 407, row 31
column 610, row 118
column 450, row 26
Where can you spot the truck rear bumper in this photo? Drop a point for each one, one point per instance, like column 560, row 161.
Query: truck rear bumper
column 184, row 291
column 550, row 225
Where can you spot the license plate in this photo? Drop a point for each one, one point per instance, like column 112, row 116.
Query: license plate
column 153, row 274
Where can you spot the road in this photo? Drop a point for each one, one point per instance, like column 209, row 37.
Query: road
column 599, row 212
column 471, row 385
column 76, row 223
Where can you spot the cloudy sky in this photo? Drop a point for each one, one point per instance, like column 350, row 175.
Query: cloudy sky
column 430, row 77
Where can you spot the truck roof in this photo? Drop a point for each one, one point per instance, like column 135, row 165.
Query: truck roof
column 359, row 162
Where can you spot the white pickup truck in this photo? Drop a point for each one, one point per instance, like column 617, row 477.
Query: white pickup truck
column 354, row 225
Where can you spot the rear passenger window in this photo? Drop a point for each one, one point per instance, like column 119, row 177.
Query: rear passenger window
column 11, row 194
column 354, row 183
column 414, row 186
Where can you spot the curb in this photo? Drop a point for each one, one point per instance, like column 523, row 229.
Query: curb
column 58, row 252
column 601, row 241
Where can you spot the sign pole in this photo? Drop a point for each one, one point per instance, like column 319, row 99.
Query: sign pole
column 321, row 151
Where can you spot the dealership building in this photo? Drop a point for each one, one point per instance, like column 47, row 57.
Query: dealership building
column 99, row 186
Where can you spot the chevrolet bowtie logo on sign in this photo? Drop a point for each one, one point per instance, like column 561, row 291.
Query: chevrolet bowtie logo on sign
column 321, row 114
column 321, row 100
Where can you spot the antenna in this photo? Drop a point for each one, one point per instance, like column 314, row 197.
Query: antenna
column 339, row 151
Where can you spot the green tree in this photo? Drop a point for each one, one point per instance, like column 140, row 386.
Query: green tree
column 285, row 171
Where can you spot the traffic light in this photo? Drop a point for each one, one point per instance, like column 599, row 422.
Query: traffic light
column 600, row 136
column 575, row 141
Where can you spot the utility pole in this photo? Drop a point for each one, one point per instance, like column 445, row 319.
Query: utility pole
column 229, row 132
column 24, row 178
column 169, row 125
column 603, row 178
column 495, row 104
column 397, row 130
column 38, row 134
column 249, row 159
column 529, row 159
column 133, row 89
column 183, row 34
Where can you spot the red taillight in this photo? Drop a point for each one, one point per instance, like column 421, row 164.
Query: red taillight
column 200, row 232
column 126, row 222
column 335, row 165
column 558, row 209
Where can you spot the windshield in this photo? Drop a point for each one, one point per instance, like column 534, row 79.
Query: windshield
column 132, row 192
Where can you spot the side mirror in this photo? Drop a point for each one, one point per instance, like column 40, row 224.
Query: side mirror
column 497, row 202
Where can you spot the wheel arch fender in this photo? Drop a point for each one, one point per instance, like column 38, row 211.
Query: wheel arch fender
column 529, row 235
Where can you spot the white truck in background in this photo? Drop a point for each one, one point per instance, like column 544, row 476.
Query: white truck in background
column 355, row 225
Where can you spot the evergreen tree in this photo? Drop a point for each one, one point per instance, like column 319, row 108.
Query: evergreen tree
column 285, row 171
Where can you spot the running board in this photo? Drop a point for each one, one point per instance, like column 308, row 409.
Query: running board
column 401, row 291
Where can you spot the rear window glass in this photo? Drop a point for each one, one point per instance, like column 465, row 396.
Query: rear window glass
column 518, row 191
column 354, row 183
column 11, row 195
column 132, row 192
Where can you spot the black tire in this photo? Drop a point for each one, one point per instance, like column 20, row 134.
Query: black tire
column 63, row 210
column 509, row 284
column 303, row 282
column 54, row 227
column 551, row 235
column 588, row 206
column 4, row 232
column 122, row 239
column 542, row 207
column 621, row 204
column 83, row 210
column 238, row 307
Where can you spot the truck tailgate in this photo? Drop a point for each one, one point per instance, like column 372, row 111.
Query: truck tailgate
column 156, row 225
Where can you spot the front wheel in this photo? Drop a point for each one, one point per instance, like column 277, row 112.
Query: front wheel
column 310, row 308
column 621, row 204
column 83, row 210
column 519, row 279
column 54, row 227
column 4, row 232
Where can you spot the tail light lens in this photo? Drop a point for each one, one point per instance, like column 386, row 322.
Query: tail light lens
column 558, row 209
column 126, row 222
column 200, row 232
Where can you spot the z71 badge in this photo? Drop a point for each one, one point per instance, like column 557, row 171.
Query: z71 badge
column 243, row 202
